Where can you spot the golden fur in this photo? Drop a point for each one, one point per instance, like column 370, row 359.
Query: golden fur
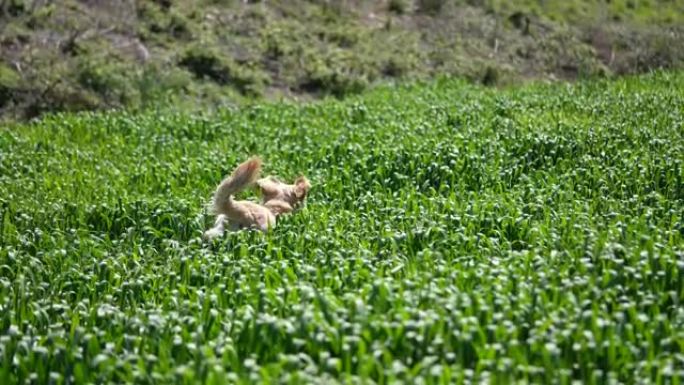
column 285, row 196
column 277, row 198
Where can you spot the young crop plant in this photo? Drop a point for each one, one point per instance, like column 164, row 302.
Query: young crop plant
column 453, row 234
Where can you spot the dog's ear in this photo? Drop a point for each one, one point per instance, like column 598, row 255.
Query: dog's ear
column 302, row 187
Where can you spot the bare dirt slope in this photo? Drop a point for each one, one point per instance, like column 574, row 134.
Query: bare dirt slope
column 58, row 55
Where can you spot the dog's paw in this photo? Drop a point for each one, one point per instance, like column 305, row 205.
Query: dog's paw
column 212, row 234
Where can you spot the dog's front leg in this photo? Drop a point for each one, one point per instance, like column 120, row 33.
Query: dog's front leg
column 217, row 230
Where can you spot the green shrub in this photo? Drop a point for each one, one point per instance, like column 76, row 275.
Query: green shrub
column 490, row 76
column 337, row 72
column 179, row 27
column 399, row 7
column 60, row 98
column 157, row 84
column 431, row 7
column 344, row 36
column 338, row 82
column 208, row 64
column 109, row 79
column 9, row 82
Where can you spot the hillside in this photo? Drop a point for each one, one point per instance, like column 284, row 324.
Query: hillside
column 67, row 55
column 454, row 234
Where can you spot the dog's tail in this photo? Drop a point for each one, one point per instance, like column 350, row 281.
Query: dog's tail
column 243, row 176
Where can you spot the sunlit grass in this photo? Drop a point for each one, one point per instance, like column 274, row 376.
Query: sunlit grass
column 453, row 234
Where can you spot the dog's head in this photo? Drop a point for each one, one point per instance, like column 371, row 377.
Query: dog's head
column 302, row 187
column 294, row 194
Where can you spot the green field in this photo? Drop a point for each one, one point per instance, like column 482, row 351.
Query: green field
column 454, row 234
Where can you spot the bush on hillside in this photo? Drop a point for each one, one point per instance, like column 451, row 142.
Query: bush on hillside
column 206, row 63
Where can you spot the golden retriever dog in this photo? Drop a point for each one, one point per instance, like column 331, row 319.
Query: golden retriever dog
column 277, row 198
